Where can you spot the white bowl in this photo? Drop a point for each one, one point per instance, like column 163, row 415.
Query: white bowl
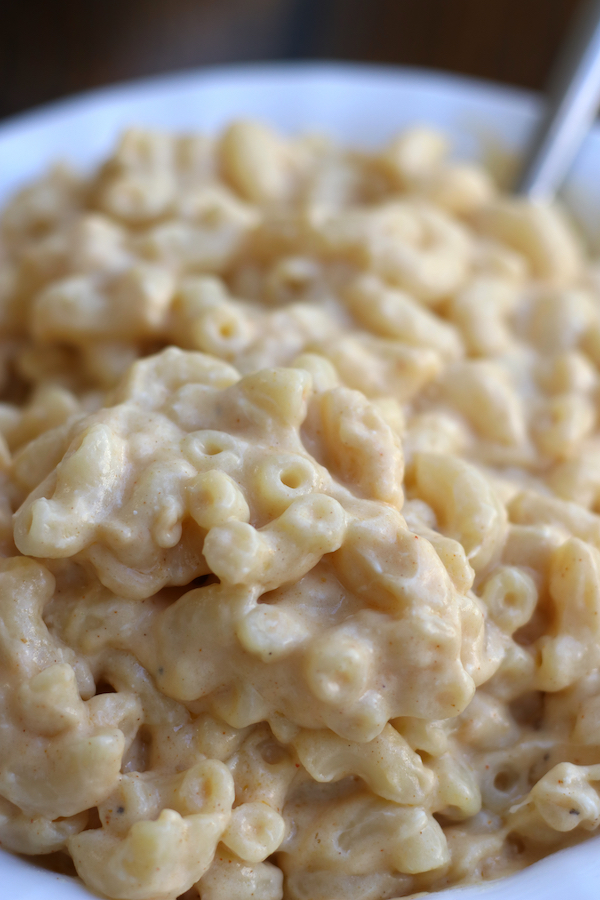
column 362, row 105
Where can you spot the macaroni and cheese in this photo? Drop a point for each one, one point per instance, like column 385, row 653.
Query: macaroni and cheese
column 299, row 521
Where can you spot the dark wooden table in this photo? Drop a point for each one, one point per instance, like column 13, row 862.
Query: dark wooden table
column 50, row 48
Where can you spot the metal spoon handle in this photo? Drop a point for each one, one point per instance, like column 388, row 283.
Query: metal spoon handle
column 574, row 96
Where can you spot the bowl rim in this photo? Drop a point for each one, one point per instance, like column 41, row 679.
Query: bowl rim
column 298, row 69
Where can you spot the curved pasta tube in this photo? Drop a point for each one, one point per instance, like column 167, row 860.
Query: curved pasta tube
column 262, row 770
column 26, row 645
column 431, row 263
column 399, row 573
column 451, row 553
column 217, row 229
column 49, row 408
column 72, row 751
column 338, row 666
column 201, row 447
column 214, row 498
column 415, row 155
column 206, row 787
column 150, row 381
column 283, row 551
column 354, row 832
column 160, row 859
column 281, row 478
column 132, row 305
column 459, row 188
column 49, row 702
column 571, row 646
column 257, row 162
column 240, row 704
column 254, row 832
column 84, row 481
column 362, row 447
column 467, row 508
column 481, row 310
column 271, row 633
column 192, row 641
column 64, row 775
column 558, row 320
column 380, row 367
column 486, row 724
column 537, row 230
column 25, row 589
column 564, row 788
column 561, row 801
column 578, row 480
column 387, row 764
column 510, row 596
column 230, row 876
column 384, row 562
column 562, row 425
column 34, row 461
column 35, row 835
column 482, row 393
column 224, row 331
column 482, row 643
column 458, row 794
column 531, row 508
column 393, row 313
column 275, row 396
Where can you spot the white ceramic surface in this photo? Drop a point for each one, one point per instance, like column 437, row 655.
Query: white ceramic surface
column 358, row 104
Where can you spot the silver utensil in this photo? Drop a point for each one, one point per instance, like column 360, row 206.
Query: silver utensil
column 573, row 100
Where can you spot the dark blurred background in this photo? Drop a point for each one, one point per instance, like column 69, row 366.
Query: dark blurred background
column 51, row 48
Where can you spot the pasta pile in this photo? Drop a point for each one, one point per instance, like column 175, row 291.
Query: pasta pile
column 299, row 521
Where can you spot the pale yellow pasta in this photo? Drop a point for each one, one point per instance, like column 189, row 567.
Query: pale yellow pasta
column 466, row 505
column 415, row 155
column 481, row 392
column 299, row 521
column 76, row 311
column 387, row 764
column 394, row 314
column 481, row 310
column 254, row 832
column 228, row 876
column 539, row 232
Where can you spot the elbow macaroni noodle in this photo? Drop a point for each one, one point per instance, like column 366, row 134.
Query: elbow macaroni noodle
column 299, row 521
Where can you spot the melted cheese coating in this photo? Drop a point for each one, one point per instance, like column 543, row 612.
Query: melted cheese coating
column 299, row 521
